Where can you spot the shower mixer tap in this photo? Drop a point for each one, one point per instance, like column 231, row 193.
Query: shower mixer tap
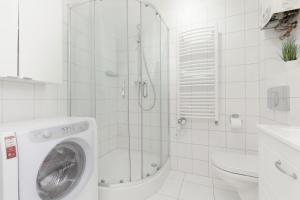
column 145, row 89
column 142, row 88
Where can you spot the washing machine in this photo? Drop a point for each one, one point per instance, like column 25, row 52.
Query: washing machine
column 53, row 159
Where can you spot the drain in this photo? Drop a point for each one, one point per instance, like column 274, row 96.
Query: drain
column 121, row 181
column 102, row 181
column 148, row 175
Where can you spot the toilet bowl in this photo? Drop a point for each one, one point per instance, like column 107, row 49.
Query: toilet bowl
column 238, row 170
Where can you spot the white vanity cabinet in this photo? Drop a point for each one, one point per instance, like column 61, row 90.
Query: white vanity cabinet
column 35, row 52
column 279, row 152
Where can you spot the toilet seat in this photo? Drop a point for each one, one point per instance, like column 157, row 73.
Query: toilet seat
column 235, row 163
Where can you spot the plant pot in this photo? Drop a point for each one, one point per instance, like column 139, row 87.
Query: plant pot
column 293, row 64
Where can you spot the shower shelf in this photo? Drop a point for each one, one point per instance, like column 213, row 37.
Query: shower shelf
column 198, row 73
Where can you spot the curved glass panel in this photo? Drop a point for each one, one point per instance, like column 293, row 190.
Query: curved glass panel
column 118, row 73
column 61, row 171
column 150, row 51
column 165, row 126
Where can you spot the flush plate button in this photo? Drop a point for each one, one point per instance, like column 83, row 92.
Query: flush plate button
column 279, row 98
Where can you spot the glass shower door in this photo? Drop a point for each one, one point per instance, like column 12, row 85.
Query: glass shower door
column 118, row 73
column 165, row 136
column 111, row 63
column 150, row 57
column 81, row 79
column 134, row 90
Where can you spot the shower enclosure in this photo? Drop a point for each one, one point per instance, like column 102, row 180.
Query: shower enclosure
column 118, row 73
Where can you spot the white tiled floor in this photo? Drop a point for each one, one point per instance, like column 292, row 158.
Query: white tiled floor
column 180, row 186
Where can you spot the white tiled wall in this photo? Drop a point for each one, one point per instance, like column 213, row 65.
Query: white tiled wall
column 237, row 20
column 274, row 72
column 25, row 101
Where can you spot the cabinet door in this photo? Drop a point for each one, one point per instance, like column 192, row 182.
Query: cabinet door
column 41, row 42
column 8, row 37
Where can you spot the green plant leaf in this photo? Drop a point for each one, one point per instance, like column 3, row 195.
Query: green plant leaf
column 289, row 50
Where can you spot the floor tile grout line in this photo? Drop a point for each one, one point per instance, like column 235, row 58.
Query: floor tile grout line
column 181, row 186
column 213, row 188
column 184, row 179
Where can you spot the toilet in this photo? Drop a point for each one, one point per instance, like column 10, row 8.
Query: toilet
column 238, row 170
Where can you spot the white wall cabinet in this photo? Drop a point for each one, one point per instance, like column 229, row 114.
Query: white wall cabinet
column 39, row 56
column 8, row 37
column 41, row 40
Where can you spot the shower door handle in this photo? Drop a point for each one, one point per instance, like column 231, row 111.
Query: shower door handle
column 145, row 89
column 123, row 92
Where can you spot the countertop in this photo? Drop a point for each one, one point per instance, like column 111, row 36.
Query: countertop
column 290, row 135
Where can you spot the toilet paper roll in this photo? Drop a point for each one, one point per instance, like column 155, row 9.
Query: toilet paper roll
column 236, row 122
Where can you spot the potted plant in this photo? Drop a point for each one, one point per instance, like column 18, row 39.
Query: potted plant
column 290, row 51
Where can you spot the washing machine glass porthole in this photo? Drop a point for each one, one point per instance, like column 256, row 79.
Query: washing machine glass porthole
column 61, row 171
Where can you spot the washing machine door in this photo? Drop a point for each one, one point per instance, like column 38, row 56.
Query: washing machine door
column 61, row 171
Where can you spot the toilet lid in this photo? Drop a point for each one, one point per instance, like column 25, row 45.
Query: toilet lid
column 246, row 165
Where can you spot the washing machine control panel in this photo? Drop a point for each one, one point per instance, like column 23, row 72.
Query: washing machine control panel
column 59, row 132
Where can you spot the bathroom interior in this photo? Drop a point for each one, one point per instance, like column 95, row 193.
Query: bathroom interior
column 184, row 99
